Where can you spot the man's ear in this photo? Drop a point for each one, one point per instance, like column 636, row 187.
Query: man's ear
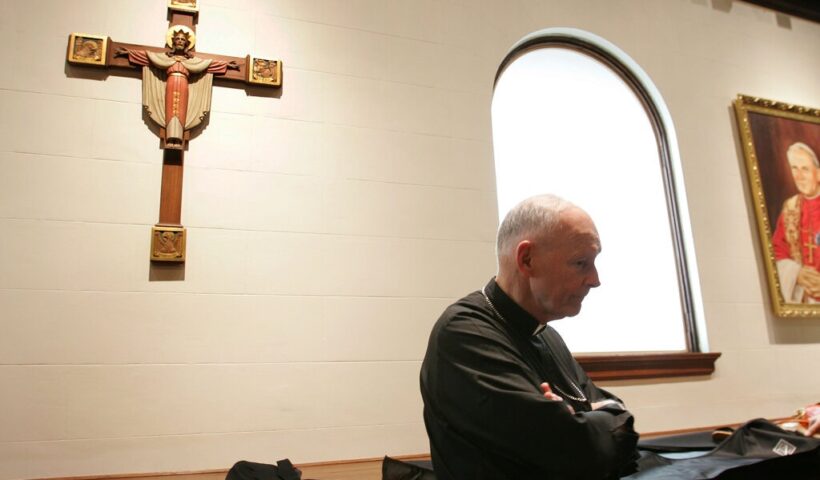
column 523, row 257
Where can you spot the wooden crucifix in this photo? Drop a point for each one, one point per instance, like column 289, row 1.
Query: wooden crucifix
column 176, row 94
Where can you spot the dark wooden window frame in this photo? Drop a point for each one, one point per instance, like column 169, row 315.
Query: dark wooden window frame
column 642, row 365
column 647, row 365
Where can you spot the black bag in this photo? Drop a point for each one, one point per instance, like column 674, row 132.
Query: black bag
column 283, row 470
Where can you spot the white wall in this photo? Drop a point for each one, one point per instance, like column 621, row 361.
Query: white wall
column 328, row 227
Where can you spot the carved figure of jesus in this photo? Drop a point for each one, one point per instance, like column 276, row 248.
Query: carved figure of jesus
column 176, row 85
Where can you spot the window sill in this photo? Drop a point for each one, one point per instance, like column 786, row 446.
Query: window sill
column 647, row 365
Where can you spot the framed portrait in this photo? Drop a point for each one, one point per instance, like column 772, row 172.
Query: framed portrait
column 781, row 142
column 84, row 49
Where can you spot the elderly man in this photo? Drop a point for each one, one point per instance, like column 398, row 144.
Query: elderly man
column 503, row 397
column 797, row 235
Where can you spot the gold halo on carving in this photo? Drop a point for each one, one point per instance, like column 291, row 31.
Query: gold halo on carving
column 169, row 36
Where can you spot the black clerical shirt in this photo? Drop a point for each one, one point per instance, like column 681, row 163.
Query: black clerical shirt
column 485, row 412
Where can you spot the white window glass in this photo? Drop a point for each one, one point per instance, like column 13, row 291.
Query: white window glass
column 566, row 123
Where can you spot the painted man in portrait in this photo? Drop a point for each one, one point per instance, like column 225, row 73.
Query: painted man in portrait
column 796, row 239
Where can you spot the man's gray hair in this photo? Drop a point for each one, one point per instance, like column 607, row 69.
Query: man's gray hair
column 801, row 146
column 535, row 214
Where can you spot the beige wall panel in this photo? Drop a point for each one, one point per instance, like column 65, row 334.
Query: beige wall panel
column 379, row 155
column 248, row 262
column 57, row 328
column 383, row 209
column 8, row 16
column 405, row 267
column 466, row 25
column 736, row 326
column 25, row 18
column 421, row 20
column 226, row 31
column 469, row 114
column 293, row 147
column 67, row 126
column 87, row 256
column 327, row 48
column 354, row 101
column 726, row 233
column 731, row 279
column 232, row 199
column 9, row 41
column 300, row 98
column 757, row 381
column 78, row 189
column 464, row 69
column 8, row 120
column 359, row 14
column 286, row 41
column 121, row 134
column 38, row 56
column 373, row 328
column 720, row 412
column 410, row 108
column 236, row 4
column 72, row 256
column 409, row 158
column 226, row 143
column 46, row 403
column 342, row 51
column 39, row 47
column 83, row 328
column 131, row 22
column 637, row 396
column 286, row 264
column 414, row 62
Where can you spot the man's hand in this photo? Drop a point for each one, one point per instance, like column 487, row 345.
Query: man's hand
column 814, row 427
column 551, row 396
column 814, row 421
column 809, row 279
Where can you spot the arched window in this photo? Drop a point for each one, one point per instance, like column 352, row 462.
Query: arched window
column 574, row 115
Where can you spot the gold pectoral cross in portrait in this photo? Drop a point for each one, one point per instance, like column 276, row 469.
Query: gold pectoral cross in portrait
column 176, row 95
column 810, row 245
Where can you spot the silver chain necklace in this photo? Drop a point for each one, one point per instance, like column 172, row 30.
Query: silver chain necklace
column 581, row 397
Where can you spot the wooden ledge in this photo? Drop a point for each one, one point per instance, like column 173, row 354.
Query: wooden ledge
column 647, row 365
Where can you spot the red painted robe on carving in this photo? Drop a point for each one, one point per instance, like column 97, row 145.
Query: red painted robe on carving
column 182, row 99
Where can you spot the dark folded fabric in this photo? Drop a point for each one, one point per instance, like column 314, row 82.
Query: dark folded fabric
column 687, row 442
column 393, row 469
column 757, row 450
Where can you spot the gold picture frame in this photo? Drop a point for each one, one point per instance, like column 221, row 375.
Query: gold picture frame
column 263, row 71
column 85, row 49
column 167, row 243
column 184, row 5
column 781, row 143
